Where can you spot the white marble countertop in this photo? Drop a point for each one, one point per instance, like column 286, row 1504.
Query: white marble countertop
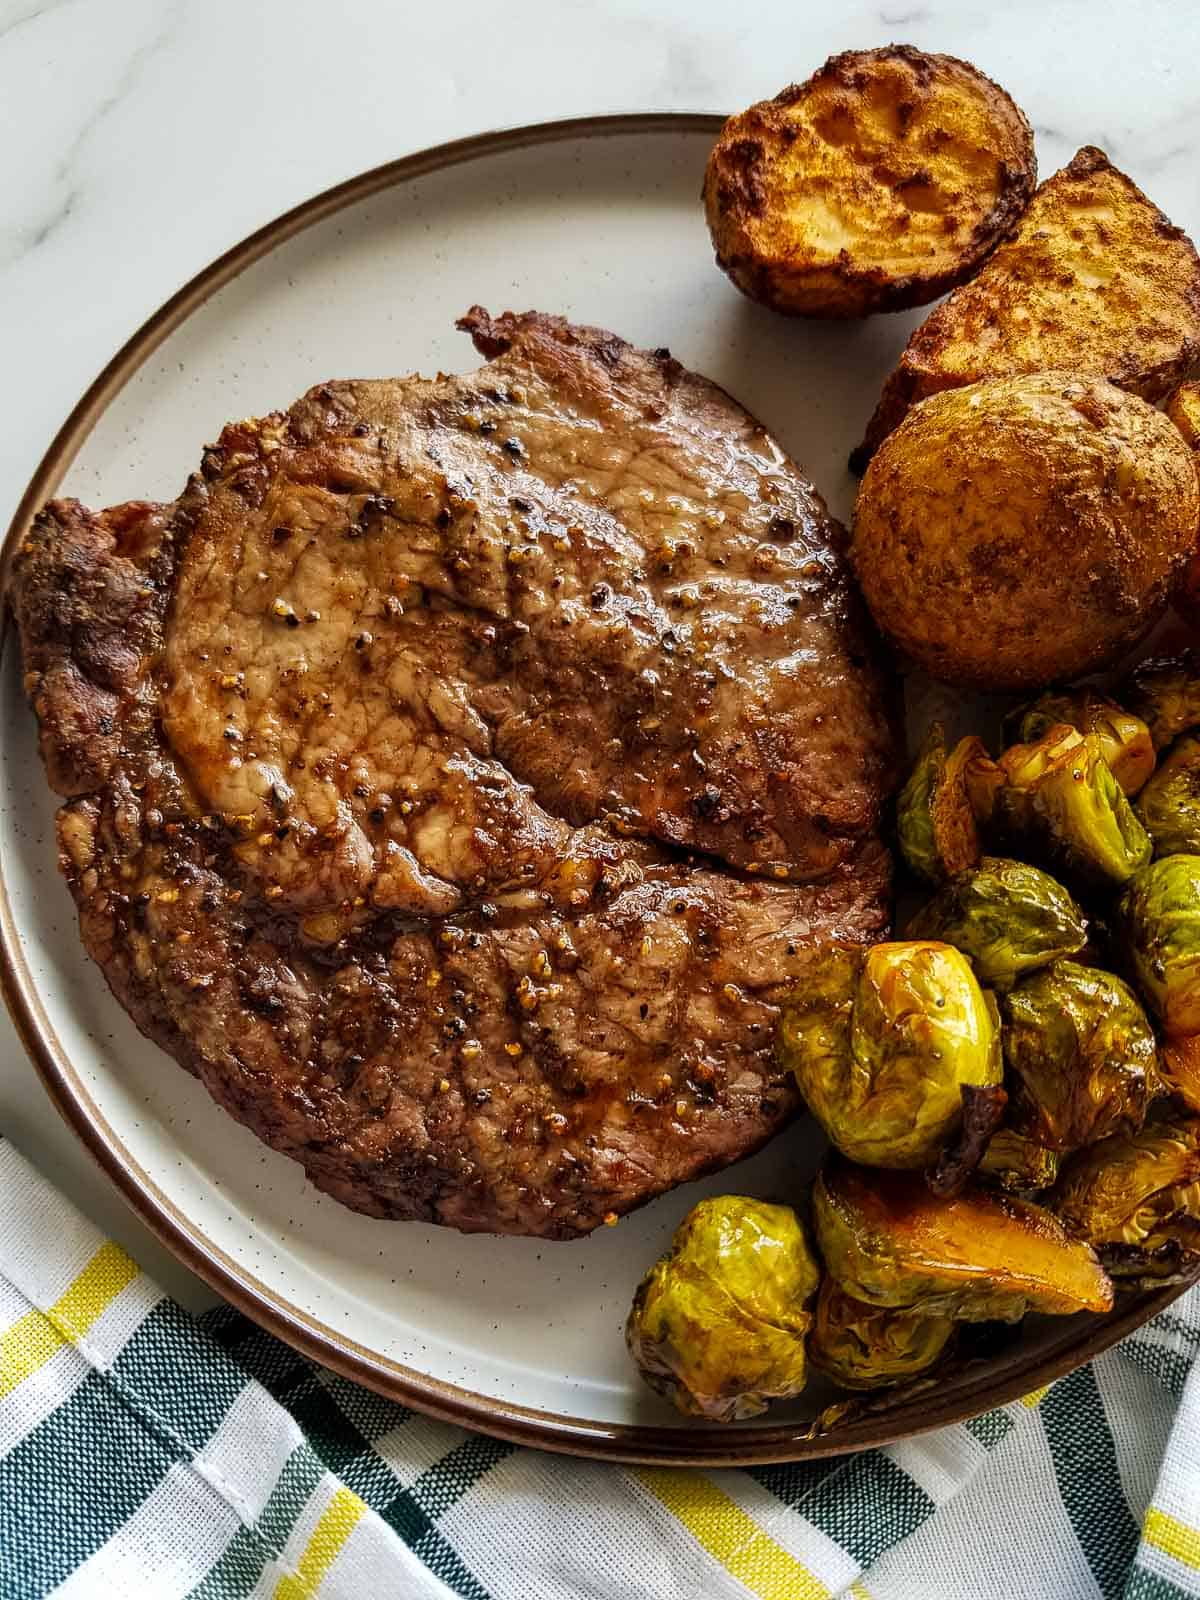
column 142, row 137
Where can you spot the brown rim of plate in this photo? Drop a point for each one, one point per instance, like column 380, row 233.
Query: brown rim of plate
column 699, row 1445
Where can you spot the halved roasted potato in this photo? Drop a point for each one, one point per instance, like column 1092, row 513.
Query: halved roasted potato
column 878, row 184
column 1183, row 408
column 1095, row 279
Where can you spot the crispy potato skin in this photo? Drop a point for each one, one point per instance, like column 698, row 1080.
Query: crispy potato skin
column 1095, row 279
column 879, row 183
column 1024, row 530
column 1183, row 408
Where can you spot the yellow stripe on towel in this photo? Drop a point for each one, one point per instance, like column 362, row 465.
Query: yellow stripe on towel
column 1174, row 1538
column 334, row 1526
column 731, row 1537
column 34, row 1338
column 1035, row 1397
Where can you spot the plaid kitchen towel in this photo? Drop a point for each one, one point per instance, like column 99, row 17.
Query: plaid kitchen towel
column 147, row 1454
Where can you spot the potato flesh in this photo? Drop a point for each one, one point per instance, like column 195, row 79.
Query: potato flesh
column 876, row 184
column 1094, row 280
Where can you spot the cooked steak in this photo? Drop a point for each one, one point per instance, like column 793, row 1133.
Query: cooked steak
column 458, row 768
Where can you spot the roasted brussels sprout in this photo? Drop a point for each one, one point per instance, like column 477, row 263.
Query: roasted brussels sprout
column 882, row 1042
column 863, row 1347
column 718, row 1325
column 1165, row 693
column 1169, row 805
column 1061, row 795
column 1136, row 1200
column 1160, row 910
column 940, row 808
column 1181, row 1069
column 1016, row 1164
column 980, row 1256
column 1082, row 1058
column 1010, row 918
column 1124, row 739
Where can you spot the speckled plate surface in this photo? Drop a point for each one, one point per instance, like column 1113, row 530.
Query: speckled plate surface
column 598, row 220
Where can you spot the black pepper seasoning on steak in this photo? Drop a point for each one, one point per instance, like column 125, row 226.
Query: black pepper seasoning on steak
column 456, row 771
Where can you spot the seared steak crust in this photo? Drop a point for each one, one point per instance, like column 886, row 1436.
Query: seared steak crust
column 457, row 770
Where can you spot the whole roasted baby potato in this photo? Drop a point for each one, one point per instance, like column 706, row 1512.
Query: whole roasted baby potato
column 878, row 184
column 977, row 1257
column 1081, row 1056
column 718, row 1325
column 1023, row 530
column 864, row 1347
column 883, row 1042
column 1124, row 739
column 1136, row 1200
column 1009, row 917
column 1160, row 914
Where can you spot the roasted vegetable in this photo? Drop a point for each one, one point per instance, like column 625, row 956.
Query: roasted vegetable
column 882, row 1042
column 718, row 1325
column 1024, row 529
column 1016, row 1164
column 1160, row 911
column 1165, row 693
column 1181, row 1069
column 1169, row 805
column 1093, row 279
column 1124, row 739
column 863, row 1347
column 981, row 1256
column 1009, row 917
column 982, row 1113
column 1136, row 1200
column 877, row 184
column 1183, row 408
column 942, row 804
column 1062, row 798
column 1081, row 1056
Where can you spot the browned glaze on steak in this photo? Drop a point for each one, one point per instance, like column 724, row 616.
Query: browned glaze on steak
column 459, row 767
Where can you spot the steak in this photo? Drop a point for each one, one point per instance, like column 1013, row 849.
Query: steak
column 456, row 772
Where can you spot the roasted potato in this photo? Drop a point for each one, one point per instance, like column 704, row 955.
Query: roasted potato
column 1024, row 529
column 1183, row 408
column 1094, row 279
column 878, row 184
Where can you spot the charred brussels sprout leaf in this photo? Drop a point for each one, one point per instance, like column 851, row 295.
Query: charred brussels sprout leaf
column 882, row 1042
column 982, row 1113
column 1081, row 1056
column 1136, row 1200
column 1010, row 918
column 1169, row 806
column 1165, row 693
column 1062, row 797
column 1123, row 738
column 980, row 1256
column 1016, row 1164
column 718, row 1325
column 942, row 805
column 863, row 1347
column 1160, row 910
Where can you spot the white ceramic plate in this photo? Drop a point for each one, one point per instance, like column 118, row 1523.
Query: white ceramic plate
column 601, row 221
